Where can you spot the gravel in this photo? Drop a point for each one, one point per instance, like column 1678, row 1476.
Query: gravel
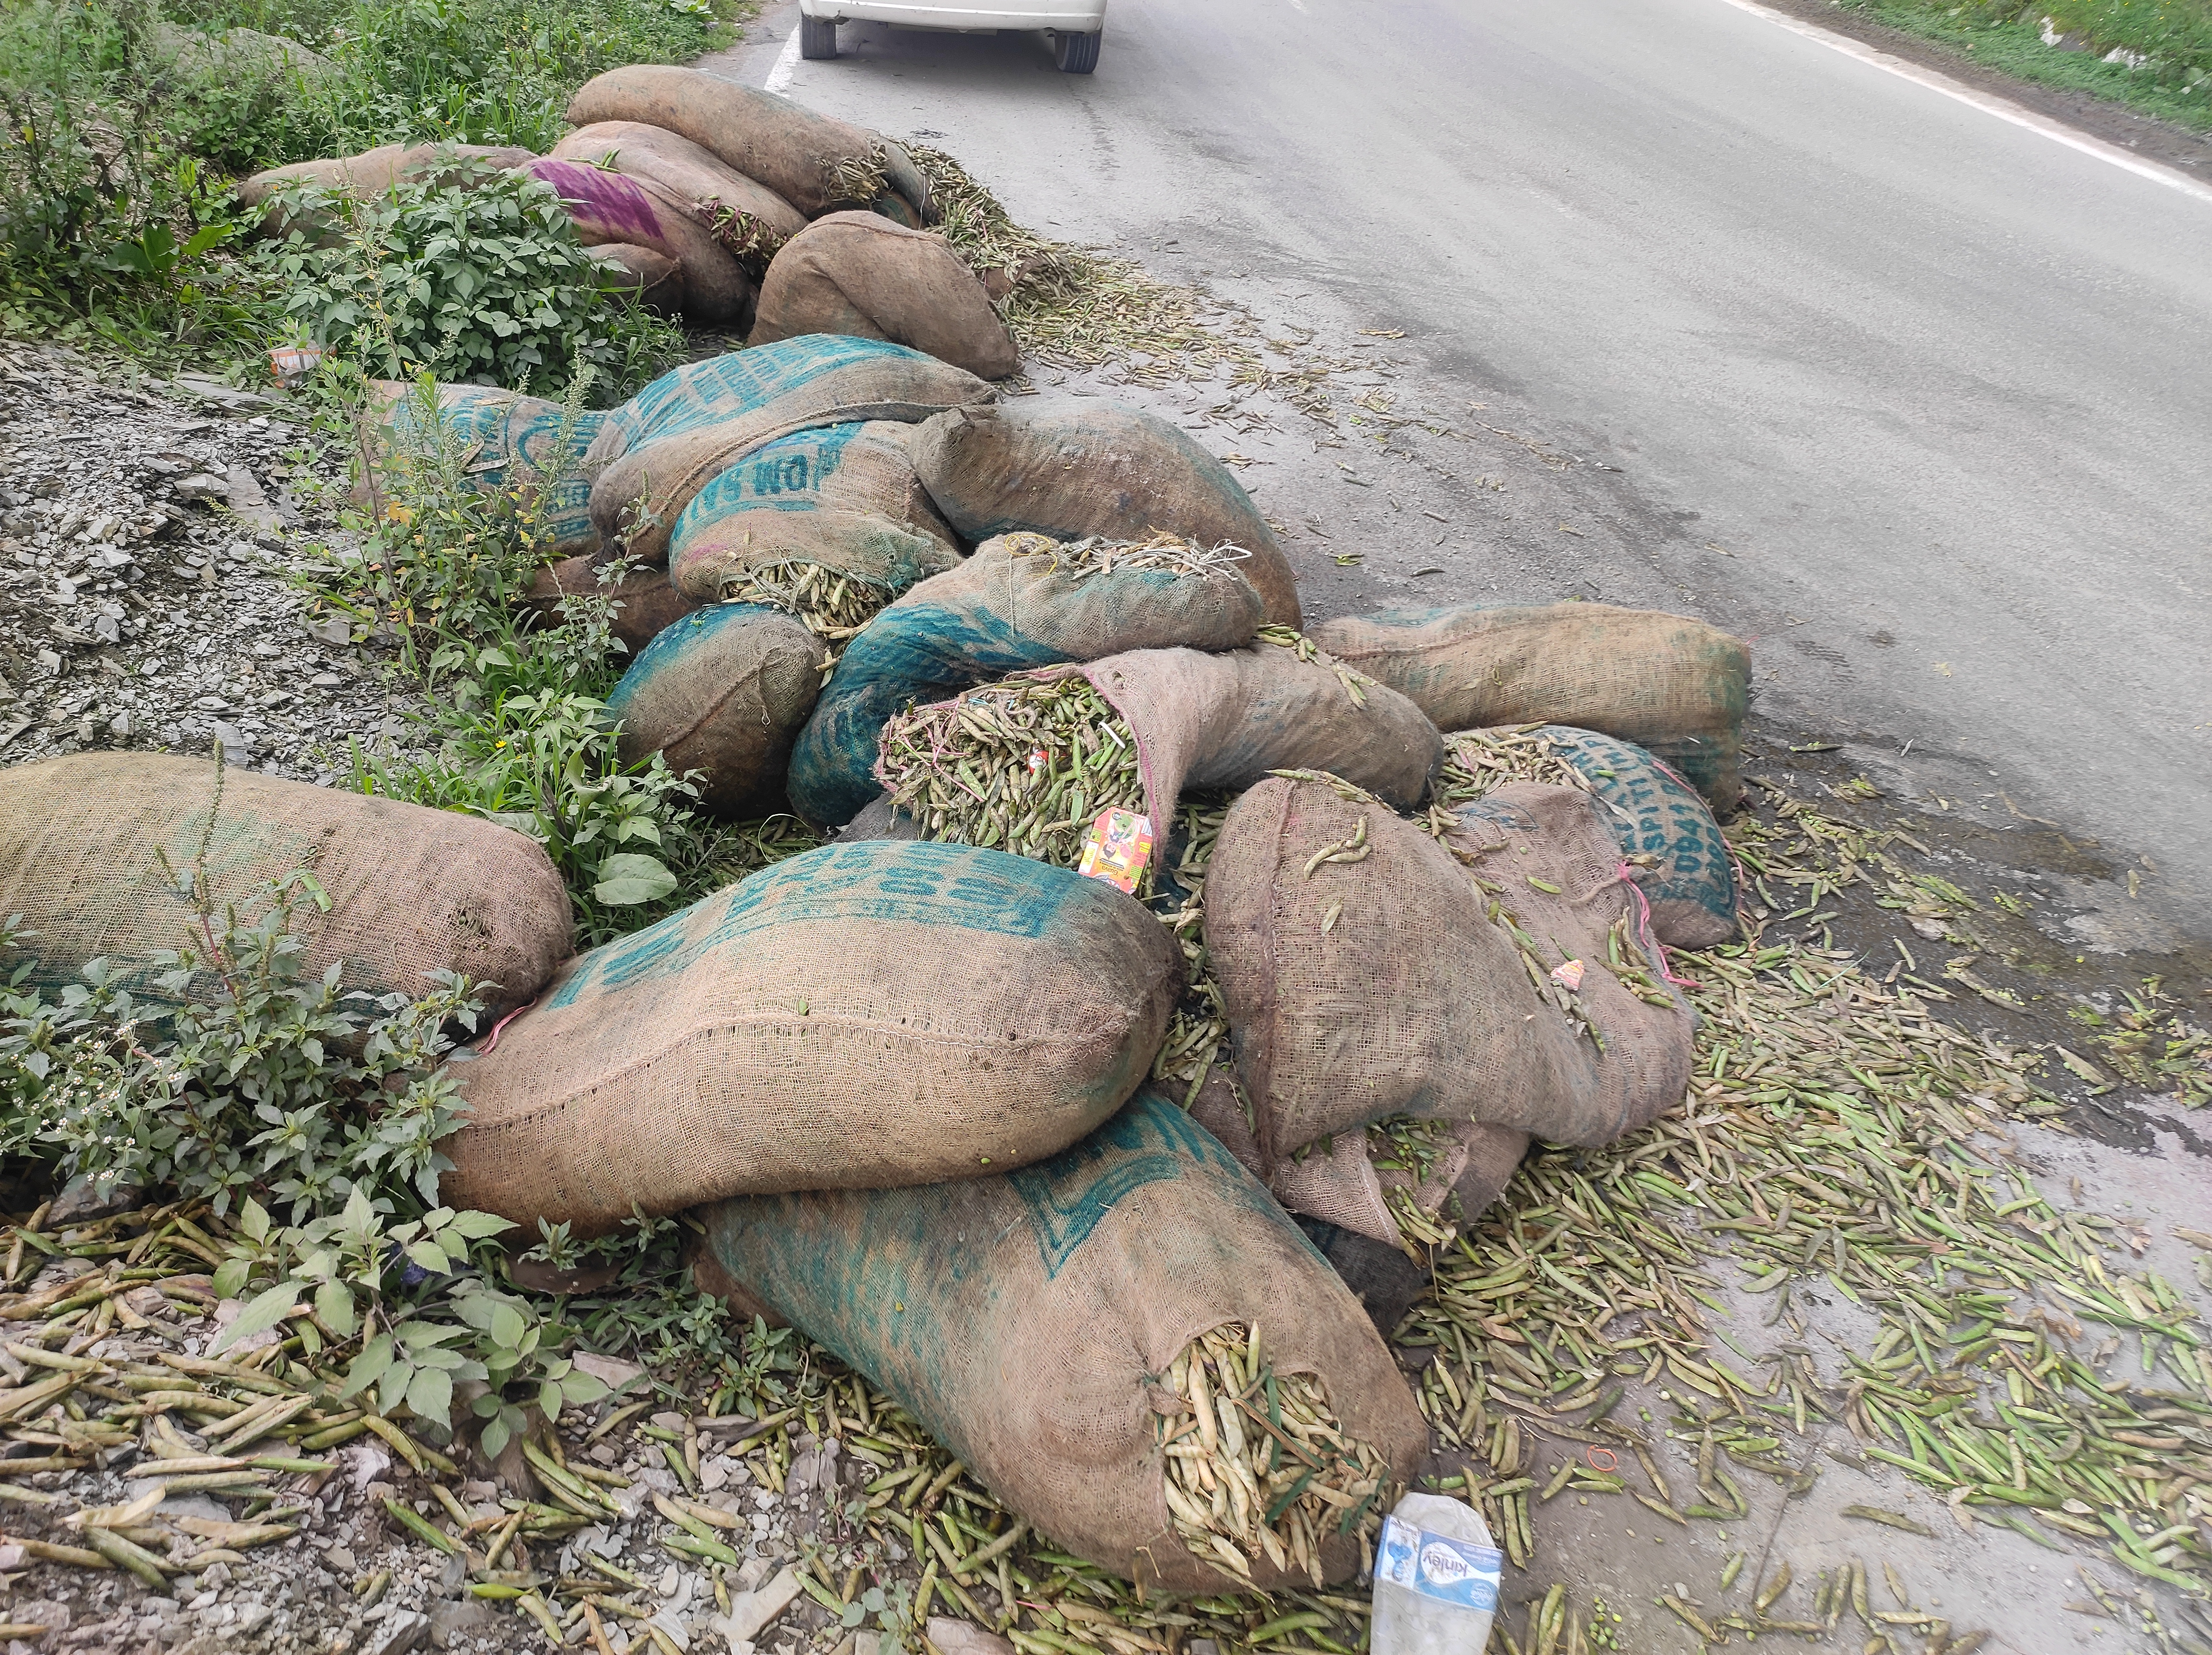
column 154, row 543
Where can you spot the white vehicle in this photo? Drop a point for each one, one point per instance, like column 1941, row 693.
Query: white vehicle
column 1074, row 25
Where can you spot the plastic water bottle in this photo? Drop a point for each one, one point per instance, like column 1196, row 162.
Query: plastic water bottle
column 1436, row 1579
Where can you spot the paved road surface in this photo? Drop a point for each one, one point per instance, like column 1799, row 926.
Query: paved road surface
column 1939, row 386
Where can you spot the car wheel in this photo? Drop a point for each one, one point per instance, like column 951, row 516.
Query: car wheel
column 1076, row 54
column 817, row 36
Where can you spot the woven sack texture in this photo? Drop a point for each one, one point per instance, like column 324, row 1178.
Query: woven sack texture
column 1025, row 1320
column 860, row 1016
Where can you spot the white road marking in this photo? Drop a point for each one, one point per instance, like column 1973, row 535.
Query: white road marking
column 786, row 61
column 1989, row 103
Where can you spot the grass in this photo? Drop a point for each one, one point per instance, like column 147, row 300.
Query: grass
column 2169, row 41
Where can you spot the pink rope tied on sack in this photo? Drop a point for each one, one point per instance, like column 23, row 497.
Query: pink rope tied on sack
column 1650, row 939
column 492, row 1040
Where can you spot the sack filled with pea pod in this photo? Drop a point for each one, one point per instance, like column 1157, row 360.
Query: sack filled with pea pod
column 858, row 1017
column 1675, row 686
column 1021, row 601
column 1673, row 849
column 1128, row 1343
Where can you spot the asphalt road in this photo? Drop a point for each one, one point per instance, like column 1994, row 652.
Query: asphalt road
column 1916, row 398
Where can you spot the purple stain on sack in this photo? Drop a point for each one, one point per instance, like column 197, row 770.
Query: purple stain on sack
column 606, row 199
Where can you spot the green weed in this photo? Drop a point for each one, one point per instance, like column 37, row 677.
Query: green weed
column 2164, row 62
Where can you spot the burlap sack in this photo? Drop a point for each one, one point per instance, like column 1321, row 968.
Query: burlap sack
column 721, row 691
column 1025, row 1321
column 862, row 1015
column 508, row 444
column 1377, row 984
column 1008, row 607
column 1221, row 722
column 652, row 275
column 1337, row 1181
column 858, row 273
column 375, row 170
column 862, row 373
column 1070, row 466
column 844, row 496
column 711, row 288
column 750, row 220
column 1514, row 844
column 1671, row 684
column 658, row 460
column 645, row 604
column 1689, row 880
column 814, row 162
column 411, row 891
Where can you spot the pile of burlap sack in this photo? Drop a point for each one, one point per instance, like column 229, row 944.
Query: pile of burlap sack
column 906, row 1084
column 732, row 207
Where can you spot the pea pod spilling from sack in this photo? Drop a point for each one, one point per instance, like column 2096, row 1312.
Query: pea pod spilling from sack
column 1021, row 601
column 843, row 498
column 82, row 840
column 675, row 437
column 817, row 163
column 1129, row 1343
column 861, row 1016
column 524, row 448
column 1676, row 687
column 1495, row 974
column 1031, row 760
column 1077, row 467
column 1666, row 833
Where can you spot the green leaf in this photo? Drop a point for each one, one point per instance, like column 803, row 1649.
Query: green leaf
column 582, row 1390
column 230, row 1277
column 253, row 1221
column 263, row 1310
column 630, row 877
column 479, row 1227
column 851, row 1615
column 495, row 1437
column 507, row 1327
column 368, row 1366
column 393, row 1391
column 430, row 1394
column 334, row 1307
column 430, row 1256
column 549, row 1399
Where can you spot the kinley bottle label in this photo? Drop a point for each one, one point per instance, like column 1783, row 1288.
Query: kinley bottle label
column 1436, row 1565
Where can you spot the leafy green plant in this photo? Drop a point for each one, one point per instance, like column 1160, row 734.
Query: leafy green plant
column 472, row 273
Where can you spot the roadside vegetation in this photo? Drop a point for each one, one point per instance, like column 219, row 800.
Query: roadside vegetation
column 125, row 126
column 2153, row 55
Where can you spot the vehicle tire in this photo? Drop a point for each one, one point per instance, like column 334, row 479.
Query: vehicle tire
column 1076, row 54
column 817, row 36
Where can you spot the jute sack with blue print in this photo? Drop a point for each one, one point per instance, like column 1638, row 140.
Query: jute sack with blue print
column 1037, row 1322
column 721, row 691
column 861, row 1016
column 505, row 444
column 843, row 497
column 672, row 440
